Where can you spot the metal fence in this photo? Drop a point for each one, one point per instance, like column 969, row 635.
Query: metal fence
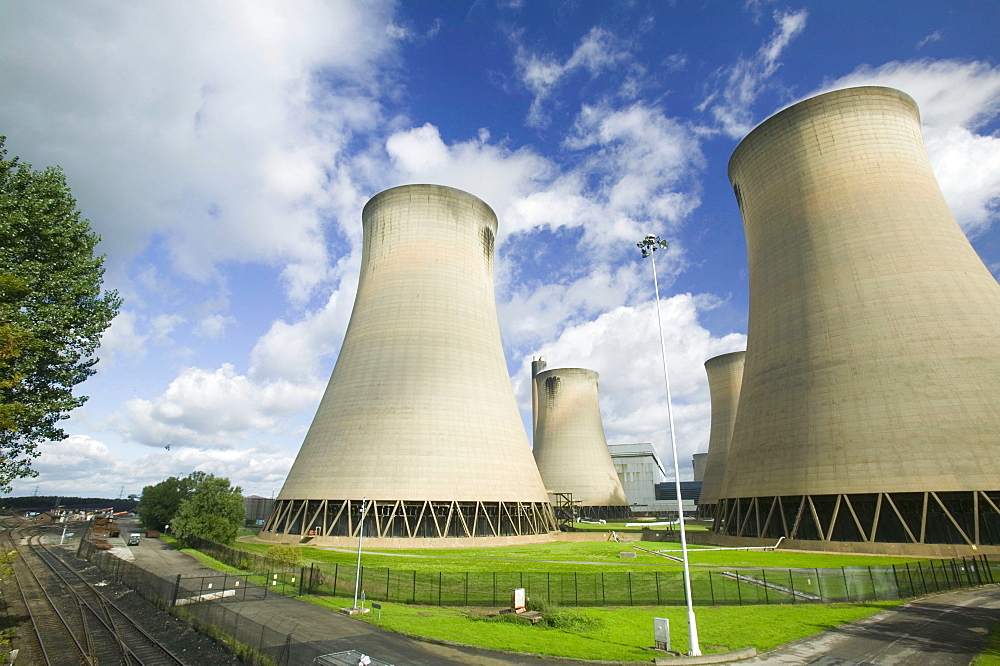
column 656, row 588
column 723, row 587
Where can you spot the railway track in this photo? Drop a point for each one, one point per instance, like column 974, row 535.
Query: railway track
column 74, row 621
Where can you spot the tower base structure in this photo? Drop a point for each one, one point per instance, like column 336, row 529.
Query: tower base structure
column 906, row 523
column 422, row 523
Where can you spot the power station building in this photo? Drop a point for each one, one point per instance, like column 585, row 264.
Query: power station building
column 569, row 445
column 418, row 424
column 725, row 377
column 869, row 410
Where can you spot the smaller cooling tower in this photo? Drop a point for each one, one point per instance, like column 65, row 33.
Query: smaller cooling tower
column 725, row 376
column 569, row 444
column 698, row 461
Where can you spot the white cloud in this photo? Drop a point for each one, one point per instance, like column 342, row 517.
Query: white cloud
column 213, row 326
column 121, row 339
column 220, row 130
column 741, row 84
column 929, row 39
column 623, row 347
column 294, row 352
column 956, row 98
column 542, row 74
column 213, row 409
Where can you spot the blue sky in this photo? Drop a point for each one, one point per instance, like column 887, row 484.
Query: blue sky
column 224, row 151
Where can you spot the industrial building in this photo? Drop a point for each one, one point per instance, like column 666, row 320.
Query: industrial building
column 869, row 410
column 644, row 482
column 569, row 445
column 725, row 377
column 418, row 430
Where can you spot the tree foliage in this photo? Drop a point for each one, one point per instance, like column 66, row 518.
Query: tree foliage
column 215, row 511
column 159, row 503
column 52, row 310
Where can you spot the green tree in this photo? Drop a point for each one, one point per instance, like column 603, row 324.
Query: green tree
column 52, row 310
column 215, row 511
column 159, row 503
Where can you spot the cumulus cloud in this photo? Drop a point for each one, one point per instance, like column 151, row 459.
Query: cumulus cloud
column 294, row 352
column 213, row 409
column 220, row 134
column 736, row 89
column 957, row 99
column 623, row 346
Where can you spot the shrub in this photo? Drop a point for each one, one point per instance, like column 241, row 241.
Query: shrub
column 284, row 555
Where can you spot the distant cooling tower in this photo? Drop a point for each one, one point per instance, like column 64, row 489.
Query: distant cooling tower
column 569, row 444
column 870, row 403
column 419, row 417
column 725, row 376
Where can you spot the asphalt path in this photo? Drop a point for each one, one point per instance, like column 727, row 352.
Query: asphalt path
column 947, row 629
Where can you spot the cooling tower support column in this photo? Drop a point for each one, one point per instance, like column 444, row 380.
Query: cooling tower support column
column 870, row 403
column 419, row 415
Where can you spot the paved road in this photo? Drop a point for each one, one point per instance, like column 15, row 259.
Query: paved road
column 943, row 630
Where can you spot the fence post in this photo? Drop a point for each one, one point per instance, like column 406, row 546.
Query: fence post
column 603, row 600
column 629, row 588
column 711, row 588
column 576, row 591
column 847, row 589
column 909, row 577
column 388, row 572
column 336, row 575
column 466, row 588
column 439, row 588
column 656, row 577
column 895, row 579
column 923, row 582
column 739, row 592
column 791, row 585
column 872, row 577
column 819, row 585
column 494, row 588
column 548, row 586
column 415, row 585
column 177, row 589
column 302, row 580
column 763, row 577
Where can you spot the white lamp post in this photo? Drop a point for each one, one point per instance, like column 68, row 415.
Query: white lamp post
column 649, row 245
column 361, row 534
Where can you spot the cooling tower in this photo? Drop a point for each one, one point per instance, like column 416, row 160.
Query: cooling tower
column 569, row 445
column 698, row 461
column 870, row 403
column 725, row 375
column 419, row 416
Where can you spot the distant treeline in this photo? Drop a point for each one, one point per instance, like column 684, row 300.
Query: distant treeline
column 47, row 502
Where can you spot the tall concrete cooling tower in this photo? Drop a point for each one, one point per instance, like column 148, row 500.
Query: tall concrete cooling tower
column 725, row 376
column 870, row 406
column 419, row 417
column 569, row 445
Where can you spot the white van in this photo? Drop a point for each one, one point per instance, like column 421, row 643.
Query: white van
column 133, row 538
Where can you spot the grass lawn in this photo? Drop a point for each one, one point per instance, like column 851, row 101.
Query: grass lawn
column 990, row 656
column 619, row 633
column 582, row 556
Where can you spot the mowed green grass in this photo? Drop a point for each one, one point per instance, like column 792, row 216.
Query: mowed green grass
column 582, row 556
column 624, row 633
